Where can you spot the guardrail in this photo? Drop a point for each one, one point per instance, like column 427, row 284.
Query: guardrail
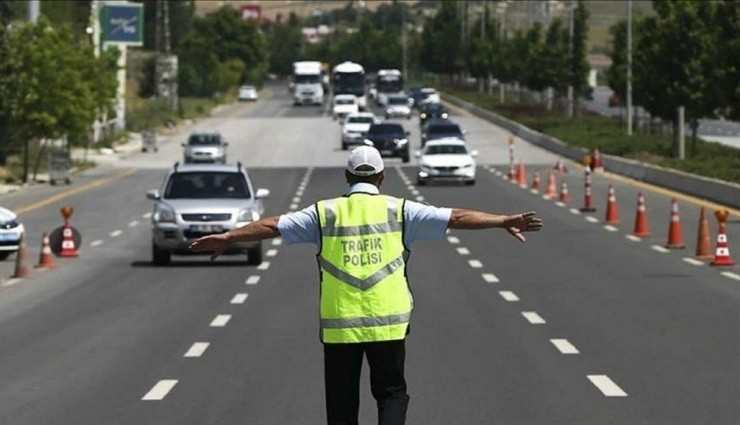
column 715, row 190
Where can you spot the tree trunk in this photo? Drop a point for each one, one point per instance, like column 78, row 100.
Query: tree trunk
column 38, row 161
column 694, row 129
column 26, row 147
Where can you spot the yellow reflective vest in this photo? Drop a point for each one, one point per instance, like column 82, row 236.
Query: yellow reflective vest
column 364, row 293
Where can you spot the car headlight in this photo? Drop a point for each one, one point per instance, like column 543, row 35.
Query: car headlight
column 11, row 224
column 444, row 115
column 422, row 116
column 164, row 214
column 401, row 142
column 247, row 214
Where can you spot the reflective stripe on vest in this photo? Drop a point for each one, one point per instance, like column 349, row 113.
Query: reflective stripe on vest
column 364, row 293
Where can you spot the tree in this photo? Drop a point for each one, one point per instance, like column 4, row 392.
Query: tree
column 617, row 73
column 553, row 62
column 727, row 22
column 578, row 66
column 440, row 49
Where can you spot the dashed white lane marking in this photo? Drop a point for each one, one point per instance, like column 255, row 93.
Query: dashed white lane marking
column 534, row 191
column 264, row 266
column 277, row 241
column 96, row 242
column 592, row 219
column 463, row 251
column 490, row 277
column 160, row 390
column 197, row 349
column 240, row 298
column 293, row 207
column 11, row 282
column 560, row 204
column 564, row 346
column 633, row 238
column 533, row 317
column 299, row 192
column 220, row 320
column 252, row 280
column 133, row 223
column 660, row 249
column 693, row 261
column 731, row 275
column 453, row 239
column 606, row 386
column 414, row 192
column 297, row 199
column 610, row 228
column 508, row 296
column 574, row 211
column 475, row 264
column 147, row 215
column 420, row 199
column 271, row 252
column 116, row 233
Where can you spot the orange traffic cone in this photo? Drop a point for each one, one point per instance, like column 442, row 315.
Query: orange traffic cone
column 521, row 175
column 536, row 182
column 704, row 241
column 612, row 211
column 560, row 166
column 564, row 195
column 551, row 190
column 675, row 235
column 642, row 228
column 68, row 243
column 21, row 270
column 597, row 162
column 512, row 173
column 46, row 260
column 722, row 252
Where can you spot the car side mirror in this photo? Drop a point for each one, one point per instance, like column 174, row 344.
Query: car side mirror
column 226, row 143
column 153, row 195
column 262, row 193
column 183, row 144
column 417, row 154
column 465, row 132
column 474, row 153
column 368, row 142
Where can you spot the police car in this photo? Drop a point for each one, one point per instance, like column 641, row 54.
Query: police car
column 11, row 231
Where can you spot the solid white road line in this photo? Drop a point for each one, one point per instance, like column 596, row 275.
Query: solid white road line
column 96, row 242
column 693, row 261
column 116, row 233
column 606, row 386
column 533, row 317
column 252, row 280
column 197, row 349
column 610, row 228
column 240, row 298
column 508, row 296
column 453, row 240
column 731, row 275
column 633, row 238
column 660, row 249
column 264, row 266
column 277, row 241
column 220, row 320
column 574, row 211
column 592, row 219
column 490, row 277
column 564, row 346
column 271, row 252
column 463, row 251
column 147, row 215
column 475, row 264
column 160, row 390
column 133, row 223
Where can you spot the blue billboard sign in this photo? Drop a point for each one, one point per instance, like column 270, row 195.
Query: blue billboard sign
column 123, row 23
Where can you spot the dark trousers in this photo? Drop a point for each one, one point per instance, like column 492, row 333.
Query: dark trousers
column 342, row 367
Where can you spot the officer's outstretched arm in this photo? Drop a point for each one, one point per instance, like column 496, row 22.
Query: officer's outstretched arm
column 255, row 231
column 462, row 218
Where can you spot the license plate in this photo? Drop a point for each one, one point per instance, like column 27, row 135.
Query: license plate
column 386, row 152
column 206, row 228
column 8, row 236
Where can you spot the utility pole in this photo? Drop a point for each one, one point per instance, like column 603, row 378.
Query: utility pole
column 404, row 41
column 629, row 67
column 34, row 9
column 502, row 8
column 571, row 65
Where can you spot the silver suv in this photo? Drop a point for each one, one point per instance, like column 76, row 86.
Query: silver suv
column 205, row 147
column 198, row 200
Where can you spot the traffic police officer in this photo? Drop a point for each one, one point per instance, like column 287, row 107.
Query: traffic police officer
column 365, row 303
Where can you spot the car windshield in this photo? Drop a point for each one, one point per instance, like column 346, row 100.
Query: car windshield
column 204, row 139
column 444, row 129
column 398, row 101
column 207, row 185
column 445, row 150
column 247, row 88
column 386, row 129
column 307, row 79
column 341, row 101
column 360, row 120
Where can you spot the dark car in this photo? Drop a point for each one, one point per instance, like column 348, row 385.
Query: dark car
column 432, row 110
column 414, row 93
column 437, row 128
column 390, row 139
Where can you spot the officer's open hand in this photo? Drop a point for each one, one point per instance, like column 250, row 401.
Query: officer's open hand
column 215, row 244
column 519, row 223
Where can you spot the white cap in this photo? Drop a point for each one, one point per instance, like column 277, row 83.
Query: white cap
column 367, row 159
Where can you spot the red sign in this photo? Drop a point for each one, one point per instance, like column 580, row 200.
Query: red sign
column 251, row 11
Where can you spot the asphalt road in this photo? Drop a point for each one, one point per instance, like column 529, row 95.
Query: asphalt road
column 580, row 325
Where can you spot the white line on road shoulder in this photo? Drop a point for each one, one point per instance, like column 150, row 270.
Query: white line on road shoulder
column 240, row 298
column 147, row 215
column 293, row 207
column 116, row 233
column 693, row 261
column 133, row 223
column 592, row 219
column 560, row 204
column 453, row 240
column 160, row 390
column 574, row 211
column 606, row 386
column 633, row 238
column 252, row 280
column 463, row 251
column 660, row 249
column 731, row 275
column 96, row 242
column 508, row 296
column 564, row 346
column 264, row 266
column 490, row 277
column 220, row 320
column 419, row 199
column 197, row 349
column 533, row 317
column 475, row 264
column 11, row 282
column 271, row 252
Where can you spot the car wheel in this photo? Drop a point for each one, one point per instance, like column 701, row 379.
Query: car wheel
column 420, row 182
column 470, row 182
column 5, row 254
column 344, row 146
column 254, row 255
column 160, row 257
column 405, row 158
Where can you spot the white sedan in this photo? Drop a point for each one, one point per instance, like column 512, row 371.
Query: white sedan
column 446, row 159
column 343, row 105
column 355, row 127
column 247, row 93
column 11, row 231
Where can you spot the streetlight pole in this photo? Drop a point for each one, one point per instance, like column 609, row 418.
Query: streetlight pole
column 404, row 41
column 571, row 65
column 502, row 7
column 629, row 67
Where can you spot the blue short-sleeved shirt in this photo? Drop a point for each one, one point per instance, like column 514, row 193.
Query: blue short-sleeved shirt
column 421, row 222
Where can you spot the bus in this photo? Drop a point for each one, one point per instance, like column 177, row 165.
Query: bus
column 388, row 81
column 349, row 78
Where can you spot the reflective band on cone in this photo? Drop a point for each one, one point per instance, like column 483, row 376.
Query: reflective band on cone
column 612, row 211
column 722, row 252
column 68, row 243
column 704, row 239
column 551, row 189
column 46, row 259
column 675, row 235
column 642, row 228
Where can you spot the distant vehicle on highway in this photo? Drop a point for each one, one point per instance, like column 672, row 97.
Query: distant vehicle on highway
column 432, row 110
column 390, row 138
column 388, row 82
column 349, row 78
column 198, row 200
column 614, row 101
column 429, row 95
column 205, row 147
column 397, row 105
column 446, row 159
column 11, row 231
column 355, row 128
column 437, row 128
column 414, row 92
column 307, row 83
column 343, row 105
column 247, row 92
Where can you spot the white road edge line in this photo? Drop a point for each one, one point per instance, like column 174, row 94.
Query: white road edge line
column 610, row 228
column 574, row 211
column 277, row 241
column 592, row 219
column 453, row 240
column 564, row 346
column 252, row 280
column 508, row 296
column 731, row 275
column 11, row 282
column 633, row 238
column 240, row 298
column 220, row 320
column 533, row 317
column 147, row 215
column 606, row 386
column 693, row 261
column 116, row 233
column 133, row 223
column 197, row 349
column 490, row 278
column 160, row 390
